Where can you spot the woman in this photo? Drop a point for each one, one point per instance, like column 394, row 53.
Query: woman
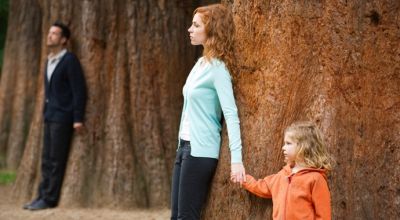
column 207, row 95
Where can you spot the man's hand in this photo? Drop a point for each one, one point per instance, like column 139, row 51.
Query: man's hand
column 78, row 127
column 238, row 174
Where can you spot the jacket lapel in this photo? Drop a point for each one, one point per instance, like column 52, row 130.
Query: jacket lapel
column 56, row 68
column 46, row 80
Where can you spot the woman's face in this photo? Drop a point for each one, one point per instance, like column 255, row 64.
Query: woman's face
column 197, row 31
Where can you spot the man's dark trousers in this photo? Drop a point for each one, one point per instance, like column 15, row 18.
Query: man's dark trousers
column 57, row 140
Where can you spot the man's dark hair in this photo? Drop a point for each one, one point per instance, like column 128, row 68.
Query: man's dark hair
column 65, row 32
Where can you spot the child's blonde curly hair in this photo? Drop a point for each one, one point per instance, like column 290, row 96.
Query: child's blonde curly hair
column 311, row 149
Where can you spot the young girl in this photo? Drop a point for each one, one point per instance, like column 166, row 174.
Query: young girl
column 300, row 190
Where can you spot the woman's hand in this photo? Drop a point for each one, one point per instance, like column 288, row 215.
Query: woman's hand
column 238, row 174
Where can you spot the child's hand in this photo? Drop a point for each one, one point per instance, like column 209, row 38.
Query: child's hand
column 238, row 174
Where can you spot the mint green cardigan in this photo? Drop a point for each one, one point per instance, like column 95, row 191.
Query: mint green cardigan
column 210, row 96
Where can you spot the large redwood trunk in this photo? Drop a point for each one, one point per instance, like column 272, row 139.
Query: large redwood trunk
column 333, row 62
column 136, row 56
column 18, row 84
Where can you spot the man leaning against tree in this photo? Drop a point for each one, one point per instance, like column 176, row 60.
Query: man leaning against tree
column 64, row 108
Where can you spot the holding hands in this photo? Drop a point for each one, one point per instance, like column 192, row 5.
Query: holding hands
column 238, row 174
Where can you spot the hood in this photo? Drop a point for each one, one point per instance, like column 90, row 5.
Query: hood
column 288, row 171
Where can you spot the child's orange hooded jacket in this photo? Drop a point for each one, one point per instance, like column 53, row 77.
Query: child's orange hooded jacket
column 302, row 195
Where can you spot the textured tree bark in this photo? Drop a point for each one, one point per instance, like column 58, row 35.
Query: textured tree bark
column 332, row 62
column 136, row 56
column 18, row 83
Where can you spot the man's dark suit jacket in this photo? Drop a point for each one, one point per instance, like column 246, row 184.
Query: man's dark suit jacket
column 65, row 93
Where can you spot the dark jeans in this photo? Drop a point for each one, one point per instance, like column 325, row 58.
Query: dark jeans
column 57, row 140
column 191, row 182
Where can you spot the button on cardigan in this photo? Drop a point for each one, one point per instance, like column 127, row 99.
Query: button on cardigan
column 208, row 97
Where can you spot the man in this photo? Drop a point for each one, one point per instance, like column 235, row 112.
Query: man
column 64, row 108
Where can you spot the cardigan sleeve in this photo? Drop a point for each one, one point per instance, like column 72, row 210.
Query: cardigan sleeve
column 223, row 86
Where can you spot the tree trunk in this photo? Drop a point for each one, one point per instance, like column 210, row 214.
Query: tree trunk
column 136, row 56
column 336, row 63
column 19, row 80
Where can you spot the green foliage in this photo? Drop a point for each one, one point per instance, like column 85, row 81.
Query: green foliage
column 4, row 7
column 1, row 58
column 7, row 177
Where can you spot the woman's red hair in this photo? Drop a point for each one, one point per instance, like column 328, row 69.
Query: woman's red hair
column 220, row 30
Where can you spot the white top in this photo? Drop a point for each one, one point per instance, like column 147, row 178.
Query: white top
column 185, row 132
column 190, row 81
column 53, row 60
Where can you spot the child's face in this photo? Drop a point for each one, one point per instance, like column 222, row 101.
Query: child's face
column 289, row 149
